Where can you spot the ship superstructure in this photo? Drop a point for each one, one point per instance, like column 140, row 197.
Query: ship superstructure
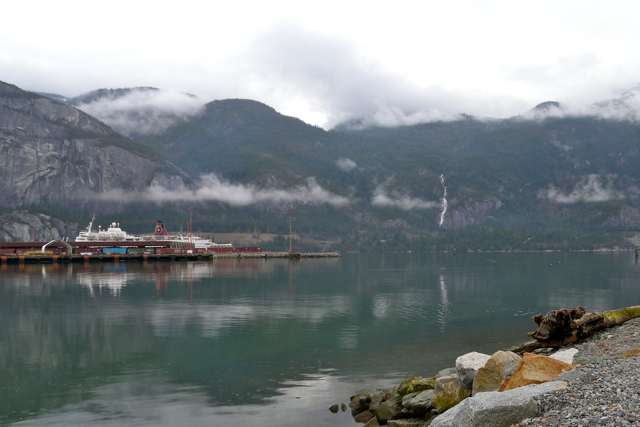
column 115, row 234
column 112, row 234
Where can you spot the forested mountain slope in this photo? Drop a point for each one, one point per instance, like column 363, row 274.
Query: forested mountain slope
column 561, row 181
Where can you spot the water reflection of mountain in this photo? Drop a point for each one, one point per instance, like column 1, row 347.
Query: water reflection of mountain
column 69, row 329
column 245, row 332
column 114, row 276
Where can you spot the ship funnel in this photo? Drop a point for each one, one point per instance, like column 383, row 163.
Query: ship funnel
column 160, row 230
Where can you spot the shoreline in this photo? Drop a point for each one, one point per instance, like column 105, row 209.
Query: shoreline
column 602, row 390
column 607, row 392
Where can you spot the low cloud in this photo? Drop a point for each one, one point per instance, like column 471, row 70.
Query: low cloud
column 392, row 116
column 346, row 165
column 626, row 107
column 337, row 80
column 141, row 111
column 589, row 190
column 210, row 188
column 402, row 201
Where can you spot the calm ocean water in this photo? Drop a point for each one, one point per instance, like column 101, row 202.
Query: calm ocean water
column 268, row 343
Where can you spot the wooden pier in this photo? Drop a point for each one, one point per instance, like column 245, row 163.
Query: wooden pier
column 48, row 259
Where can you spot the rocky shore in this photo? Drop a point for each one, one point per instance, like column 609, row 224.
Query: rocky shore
column 593, row 383
column 608, row 391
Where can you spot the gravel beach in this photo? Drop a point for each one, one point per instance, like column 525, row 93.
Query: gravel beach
column 608, row 391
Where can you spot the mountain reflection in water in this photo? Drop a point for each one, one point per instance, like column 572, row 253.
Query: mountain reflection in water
column 270, row 343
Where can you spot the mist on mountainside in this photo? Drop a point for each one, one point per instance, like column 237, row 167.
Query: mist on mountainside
column 138, row 112
column 526, row 182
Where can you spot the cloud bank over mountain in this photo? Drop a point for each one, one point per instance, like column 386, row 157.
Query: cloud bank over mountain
column 332, row 76
column 590, row 189
column 626, row 107
column 405, row 64
column 327, row 80
column 139, row 111
column 397, row 200
column 211, row 188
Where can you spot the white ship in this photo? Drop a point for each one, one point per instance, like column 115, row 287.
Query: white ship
column 115, row 234
column 112, row 234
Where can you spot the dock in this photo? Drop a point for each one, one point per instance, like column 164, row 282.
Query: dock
column 124, row 257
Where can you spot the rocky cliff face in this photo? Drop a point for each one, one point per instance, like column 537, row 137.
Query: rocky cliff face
column 460, row 215
column 627, row 216
column 53, row 155
column 21, row 226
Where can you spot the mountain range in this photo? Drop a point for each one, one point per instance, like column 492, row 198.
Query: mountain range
column 552, row 178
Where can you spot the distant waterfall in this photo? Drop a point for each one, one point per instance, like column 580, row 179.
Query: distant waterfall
column 444, row 201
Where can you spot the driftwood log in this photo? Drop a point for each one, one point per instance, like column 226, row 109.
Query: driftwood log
column 561, row 327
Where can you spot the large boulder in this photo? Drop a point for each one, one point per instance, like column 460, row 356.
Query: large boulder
column 413, row 422
column 390, row 393
column 389, row 410
column 499, row 366
column 446, row 372
column 373, row 422
column 467, row 365
column 495, row 409
column 406, row 399
column 376, row 400
column 421, row 403
column 363, row 417
column 448, row 393
column 360, row 403
column 535, row 369
column 416, row 384
column 403, row 388
column 565, row 356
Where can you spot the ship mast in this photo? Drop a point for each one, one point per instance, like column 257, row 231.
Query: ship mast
column 190, row 243
column 289, row 234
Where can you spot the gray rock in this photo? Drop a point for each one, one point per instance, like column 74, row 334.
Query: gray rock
column 373, row 422
column 334, row 408
column 534, row 390
column 406, row 399
column 565, row 356
column 360, row 403
column 414, row 422
column 446, row 372
column 421, row 403
column 497, row 409
column 570, row 376
column 22, row 226
column 467, row 365
column 376, row 400
column 363, row 417
column 389, row 410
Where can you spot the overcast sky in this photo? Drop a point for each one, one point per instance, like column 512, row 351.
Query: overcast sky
column 329, row 61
